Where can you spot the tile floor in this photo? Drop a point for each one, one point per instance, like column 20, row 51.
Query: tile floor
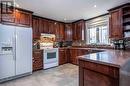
column 64, row 75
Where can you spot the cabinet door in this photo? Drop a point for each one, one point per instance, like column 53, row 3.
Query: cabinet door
column 115, row 22
column 35, row 27
column 68, row 32
column 79, row 30
column 92, row 78
column 73, row 56
column 8, row 18
column 23, row 18
column 61, row 31
column 46, row 26
column 37, row 60
column 62, row 56
column 56, row 28
column 23, row 50
column 74, row 32
column 51, row 27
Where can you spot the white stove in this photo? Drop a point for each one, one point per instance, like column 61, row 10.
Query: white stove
column 51, row 58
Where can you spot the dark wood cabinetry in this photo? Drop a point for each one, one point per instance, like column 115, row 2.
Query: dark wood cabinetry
column 18, row 17
column 90, row 74
column 68, row 32
column 41, row 25
column 23, row 18
column 51, row 27
column 115, row 22
column 35, row 26
column 62, row 56
column 119, row 21
column 61, row 32
column 37, row 60
column 78, row 30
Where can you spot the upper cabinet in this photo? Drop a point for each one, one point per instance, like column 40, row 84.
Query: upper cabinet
column 68, row 32
column 41, row 25
column 61, row 32
column 36, row 26
column 23, row 18
column 115, row 24
column 78, row 30
column 17, row 17
column 119, row 22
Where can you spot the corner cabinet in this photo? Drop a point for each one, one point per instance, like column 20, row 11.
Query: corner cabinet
column 115, row 24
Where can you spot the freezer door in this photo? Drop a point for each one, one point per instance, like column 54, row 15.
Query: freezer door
column 23, row 50
column 7, row 60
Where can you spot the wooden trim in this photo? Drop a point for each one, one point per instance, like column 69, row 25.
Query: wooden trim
column 47, row 19
column 121, row 6
column 98, row 16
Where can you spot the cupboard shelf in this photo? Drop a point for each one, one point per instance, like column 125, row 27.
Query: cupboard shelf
column 126, row 14
column 126, row 23
column 127, row 30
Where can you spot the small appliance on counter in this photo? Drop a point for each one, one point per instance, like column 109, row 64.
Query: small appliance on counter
column 50, row 54
column 119, row 44
column 36, row 44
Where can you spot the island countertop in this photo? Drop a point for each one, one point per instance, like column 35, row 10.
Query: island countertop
column 116, row 58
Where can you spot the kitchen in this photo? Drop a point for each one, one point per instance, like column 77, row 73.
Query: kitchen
column 62, row 43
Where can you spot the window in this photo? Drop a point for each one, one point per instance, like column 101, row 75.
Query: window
column 98, row 31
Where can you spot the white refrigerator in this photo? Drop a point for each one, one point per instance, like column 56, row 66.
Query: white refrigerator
column 15, row 51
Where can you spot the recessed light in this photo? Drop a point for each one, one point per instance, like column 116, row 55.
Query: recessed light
column 95, row 5
column 65, row 19
column 55, row 23
column 17, row 5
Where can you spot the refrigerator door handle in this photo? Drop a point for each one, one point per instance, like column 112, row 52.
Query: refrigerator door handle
column 14, row 46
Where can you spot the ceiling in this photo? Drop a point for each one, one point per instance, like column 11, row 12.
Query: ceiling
column 69, row 10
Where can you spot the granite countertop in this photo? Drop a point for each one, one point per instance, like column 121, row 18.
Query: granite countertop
column 116, row 58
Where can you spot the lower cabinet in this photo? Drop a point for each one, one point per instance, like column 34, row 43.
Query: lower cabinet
column 93, row 74
column 37, row 60
column 63, row 59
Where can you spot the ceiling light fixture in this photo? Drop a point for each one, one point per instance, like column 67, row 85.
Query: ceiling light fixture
column 64, row 19
column 95, row 6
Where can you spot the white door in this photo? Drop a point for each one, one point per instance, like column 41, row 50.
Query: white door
column 23, row 50
column 7, row 61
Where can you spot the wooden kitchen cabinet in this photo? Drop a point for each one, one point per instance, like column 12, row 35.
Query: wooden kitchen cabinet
column 19, row 17
column 73, row 56
column 8, row 18
column 68, row 32
column 115, row 24
column 23, row 18
column 61, row 32
column 78, row 30
column 90, row 74
column 37, row 60
column 51, row 27
column 43, row 26
column 62, row 56
column 35, row 27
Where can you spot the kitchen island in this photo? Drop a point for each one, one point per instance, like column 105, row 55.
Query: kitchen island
column 103, row 68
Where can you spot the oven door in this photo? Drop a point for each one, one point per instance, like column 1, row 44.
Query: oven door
column 50, row 55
